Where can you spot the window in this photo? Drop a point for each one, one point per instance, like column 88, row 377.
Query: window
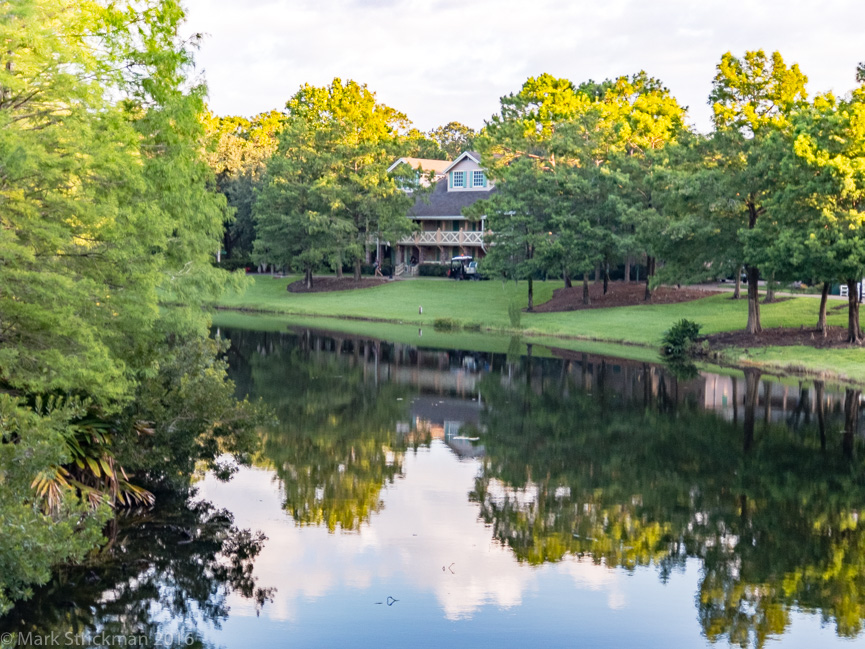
column 458, row 179
column 478, row 179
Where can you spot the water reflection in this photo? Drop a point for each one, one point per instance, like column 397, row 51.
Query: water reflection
column 410, row 494
column 607, row 461
column 163, row 579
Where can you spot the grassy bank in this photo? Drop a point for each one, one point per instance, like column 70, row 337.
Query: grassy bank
column 486, row 304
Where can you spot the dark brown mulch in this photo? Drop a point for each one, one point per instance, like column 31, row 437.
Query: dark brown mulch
column 782, row 336
column 619, row 294
column 329, row 284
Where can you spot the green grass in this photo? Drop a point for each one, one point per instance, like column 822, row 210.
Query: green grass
column 486, row 303
column 397, row 301
column 837, row 364
column 427, row 336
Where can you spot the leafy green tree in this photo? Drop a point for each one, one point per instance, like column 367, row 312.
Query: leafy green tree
column 34, row 540
column 238, row 156
column 107, row 209
column 585, row 142
column 328, row 182
column 752, row 98
column 817, row 227
column 420, row 145
column 453, row 139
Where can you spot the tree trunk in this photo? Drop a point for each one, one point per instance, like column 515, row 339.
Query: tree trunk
column 770, row 289
column 606, row 278
column 598, row 273
column 627, row 277
column 586, row 299
column 753, row 275
column 308, row 278
column 567, row 279
column 821, row 318
column 854, row 332
column 357, row 265
column 339, row 266
column 531, row 305
column 650, row 272
column 737, row 294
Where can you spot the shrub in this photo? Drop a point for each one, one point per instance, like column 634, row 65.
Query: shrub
column 679, row 339
column 234, row 264
column 433, row 270
column 445, row 324
column 472, row 326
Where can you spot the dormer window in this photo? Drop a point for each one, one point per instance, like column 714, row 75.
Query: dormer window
column 458, row 179
column 479, row 179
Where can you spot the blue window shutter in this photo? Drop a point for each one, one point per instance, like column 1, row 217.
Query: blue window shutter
column 451, row 180
column 485, row 180
column 469, row 179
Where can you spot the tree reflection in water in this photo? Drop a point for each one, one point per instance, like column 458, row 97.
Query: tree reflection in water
column 165, row 574
column 619, row 462
column 335, row 444
column 771, row 509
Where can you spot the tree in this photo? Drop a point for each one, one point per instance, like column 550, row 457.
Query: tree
column 751, row 98
column 420, row 145
column 818, row 226
column 453, row 139
column 333, row 156
column 585, row 142
column 517, row 151
column 107, row 209
column 240, row 149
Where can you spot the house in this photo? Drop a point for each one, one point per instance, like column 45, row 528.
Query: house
column 443, row 231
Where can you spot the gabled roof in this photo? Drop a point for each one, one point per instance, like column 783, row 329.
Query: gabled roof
column 472, row 155
column 426, row 164
column 442, row 203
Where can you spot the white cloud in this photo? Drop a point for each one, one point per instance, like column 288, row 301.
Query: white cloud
column 444, row 60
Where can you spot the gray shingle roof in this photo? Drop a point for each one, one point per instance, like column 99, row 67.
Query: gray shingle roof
column 441, row 202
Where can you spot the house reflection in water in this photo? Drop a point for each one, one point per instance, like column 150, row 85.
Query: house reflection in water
column 448, row 399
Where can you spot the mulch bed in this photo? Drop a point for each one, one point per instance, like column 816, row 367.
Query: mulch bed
column 619, row 294
column 329, row 284
column 782, row 336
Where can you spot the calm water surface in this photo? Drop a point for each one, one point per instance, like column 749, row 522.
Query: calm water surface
column 428, row 498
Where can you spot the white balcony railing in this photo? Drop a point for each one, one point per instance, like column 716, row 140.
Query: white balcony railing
column 446, row 238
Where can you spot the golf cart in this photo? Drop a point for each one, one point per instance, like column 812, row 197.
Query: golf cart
column 463, row 267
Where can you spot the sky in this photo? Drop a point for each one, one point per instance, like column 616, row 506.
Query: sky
column 439, row 61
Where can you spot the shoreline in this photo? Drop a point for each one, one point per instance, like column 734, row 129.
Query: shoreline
column 845, row 364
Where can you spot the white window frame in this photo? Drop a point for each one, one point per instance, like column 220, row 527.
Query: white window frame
column 463, row 183
column 478, row 173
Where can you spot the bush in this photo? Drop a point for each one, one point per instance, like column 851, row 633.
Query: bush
column 472, row 326
column 445, row 324
column 234, row 264
column 679, row 339
column 433, row 270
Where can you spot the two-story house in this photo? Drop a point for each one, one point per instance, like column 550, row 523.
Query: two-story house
column 443, row 232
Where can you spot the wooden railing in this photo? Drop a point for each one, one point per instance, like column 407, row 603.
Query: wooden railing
column 444, row 238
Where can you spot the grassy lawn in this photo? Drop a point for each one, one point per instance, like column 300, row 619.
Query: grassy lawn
column 486, row 304
column 428, row 337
